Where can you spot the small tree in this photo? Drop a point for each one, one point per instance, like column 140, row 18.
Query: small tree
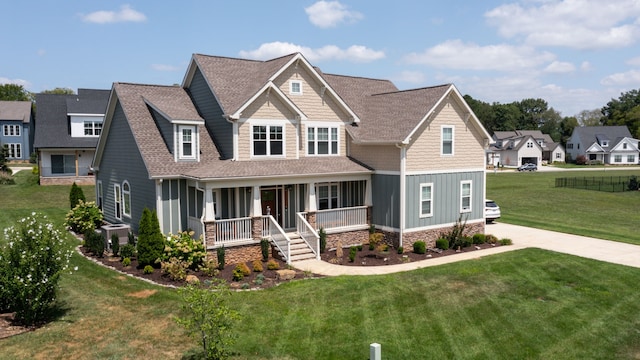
column 75, row 195
column 208, row 318
column 31, row 261
column 150, row 239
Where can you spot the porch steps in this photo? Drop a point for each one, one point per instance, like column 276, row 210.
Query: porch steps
column 299, row 249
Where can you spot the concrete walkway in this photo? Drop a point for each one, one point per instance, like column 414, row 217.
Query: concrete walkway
column 522, row 237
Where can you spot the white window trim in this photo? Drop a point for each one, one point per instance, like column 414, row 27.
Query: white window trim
column 291, row 92
column 117, row 201
column 12, row 150
column 315, row 141
column 329, row 186
column 99, row 198
column 93, row 127
column 126, row 193
column 430, row 214
column 194, row 142
column 269, row 125
column 453, row 136
column 17, row 129
column 462, row 183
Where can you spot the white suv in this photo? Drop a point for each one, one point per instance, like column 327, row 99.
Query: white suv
column 491, row 211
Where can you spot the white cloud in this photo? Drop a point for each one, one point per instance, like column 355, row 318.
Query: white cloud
column 24, row 83
column 559, row 67
column 630, row 77
column 163, row 67
column 455, row 54
column 125, row 14
column 354, row 53
column 326, row 14
column 580, row 24
column 634, row 61
column 586, row 66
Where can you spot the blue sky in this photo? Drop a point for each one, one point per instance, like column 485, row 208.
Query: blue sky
column 575, row 54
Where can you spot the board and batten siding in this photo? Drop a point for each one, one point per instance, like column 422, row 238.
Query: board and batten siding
column 424, row 151
column 315, row 106
column 379, row 157
column 219, row 128
column 386, row 200
column 122, row 161
column 446, row 198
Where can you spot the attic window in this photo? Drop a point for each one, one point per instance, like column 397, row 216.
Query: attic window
column 187, row 142
column 295, row 87
column 605, row 143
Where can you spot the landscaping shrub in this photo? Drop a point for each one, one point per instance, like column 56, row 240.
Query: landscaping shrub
column 75, row 195
column 6, row 178
column 84, row 216
column 442, row 244
column 185, row 248
column 127, row 251
column 259, row 279
column 220, row 254
column 419, row 247
column 479, row 238
column 633, row 183
column 265, row 246
column 148, row 269
column 257, row 266
column 94, row 242
column 455, row 235
column 272, row 265
column 32, row 258
column 115, row 244
column 506, row 241
column 360, row 247
column 209, row 267
column 466, row 241
column 239, row 272
column 490, row 239
column 372, row 229
column 323, row 240
column 150, row 240
column 175, row 268
column 352, row 253
column 400, row 250
column 126, row 262
column 131, row 239
column 208, row 318
column 581, row 160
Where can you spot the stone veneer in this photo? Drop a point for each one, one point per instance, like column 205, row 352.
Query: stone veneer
column 238, row 254
column 430, row 236
column 68, row 180
column 350, row 238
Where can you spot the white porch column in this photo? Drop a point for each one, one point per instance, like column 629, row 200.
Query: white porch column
column 209, row 211
column 368, row 193
column 256, row 202
column 312, row 205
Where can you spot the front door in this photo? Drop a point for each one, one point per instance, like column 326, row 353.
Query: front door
column 275, row 203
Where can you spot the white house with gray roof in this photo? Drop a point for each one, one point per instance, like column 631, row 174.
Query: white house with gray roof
column 245, row 150
column 612, row 145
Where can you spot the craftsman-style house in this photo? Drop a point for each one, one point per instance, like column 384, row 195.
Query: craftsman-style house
column 246, row 150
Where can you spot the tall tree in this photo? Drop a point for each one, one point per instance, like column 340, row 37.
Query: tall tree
column 14, row 92
column 507, row 117
column 590, row 117
column 621, row 111
column 484, row 112
column 532, row 113
column 567, row 125
column 551, row 124
column 59, row 90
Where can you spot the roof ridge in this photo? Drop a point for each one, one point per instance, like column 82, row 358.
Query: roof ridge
column 415, row 89
column 142, row 84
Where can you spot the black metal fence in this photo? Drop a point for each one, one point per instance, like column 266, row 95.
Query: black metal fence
column 600, row 183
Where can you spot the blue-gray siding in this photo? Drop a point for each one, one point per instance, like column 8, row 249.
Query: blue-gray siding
column 220, row 130
column 166, row 129
column 174, row 206
column 386, row 200
column 446, row 198
column 121, row 161
column 25, row 139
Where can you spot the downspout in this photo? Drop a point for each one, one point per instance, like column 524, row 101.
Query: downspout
column 403, row 169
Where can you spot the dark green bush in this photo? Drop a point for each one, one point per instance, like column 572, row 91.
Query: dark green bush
column 400, row 250
column 127, row 251
column 419, row 247
column 75, row 195
column 466, row 241
column 323, row 240
column 479, row 239
column 150, row 239
column 94, row 243
column 115, row 244
column 359, row 247
column 506, row 241
column 352, row 253
column 265, row 247
column 442, row 244
column 220, row 254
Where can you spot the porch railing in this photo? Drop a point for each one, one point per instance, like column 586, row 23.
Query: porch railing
column 272, row 230
column 230, row 231
column 344, row 218
column 308, row 234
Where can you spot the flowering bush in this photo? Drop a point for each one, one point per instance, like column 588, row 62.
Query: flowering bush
column 84, row 216
column 185, row 248
column 31, row 260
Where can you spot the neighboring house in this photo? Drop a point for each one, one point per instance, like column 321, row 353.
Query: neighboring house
column 66, row 134
column 519, row 147
column 16, row 129
column 246, row 150
column 604, row 144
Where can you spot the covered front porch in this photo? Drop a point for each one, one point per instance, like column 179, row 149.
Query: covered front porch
column 289, row 215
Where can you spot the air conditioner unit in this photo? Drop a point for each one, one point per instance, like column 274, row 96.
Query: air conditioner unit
column 120, row 230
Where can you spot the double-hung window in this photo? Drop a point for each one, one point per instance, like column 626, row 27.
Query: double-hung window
column 446, row 147
column 11, row 130
column 92, row 128
column 322, row 140
column 328, row 196
column 617, row 158
column 426, row 200
column 631, row 159
column 465, row 196
column 268, row 140
column 15, row 151
column 126, row 198
column 187, row 142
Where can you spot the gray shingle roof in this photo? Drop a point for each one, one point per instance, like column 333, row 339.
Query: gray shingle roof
column 588, row 135
column 52, row 128
column 15, row 110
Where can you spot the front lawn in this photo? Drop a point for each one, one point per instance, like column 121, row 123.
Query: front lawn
column 522, row 304
column 531, row 199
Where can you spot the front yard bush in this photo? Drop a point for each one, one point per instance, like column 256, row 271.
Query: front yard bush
column 32, row 258
column 75, row 195
column 264, row 248
column 84, row 216
column 185, row 248
column 150, row 239
column 419, row 247
column 442, row 244
column 352, row 253
column 127, row 251
column 478, row 238
column 94, row 243
column 175, row 268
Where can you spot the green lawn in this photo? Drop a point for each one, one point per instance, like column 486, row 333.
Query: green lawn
column 531, row 199
column 529, row 304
